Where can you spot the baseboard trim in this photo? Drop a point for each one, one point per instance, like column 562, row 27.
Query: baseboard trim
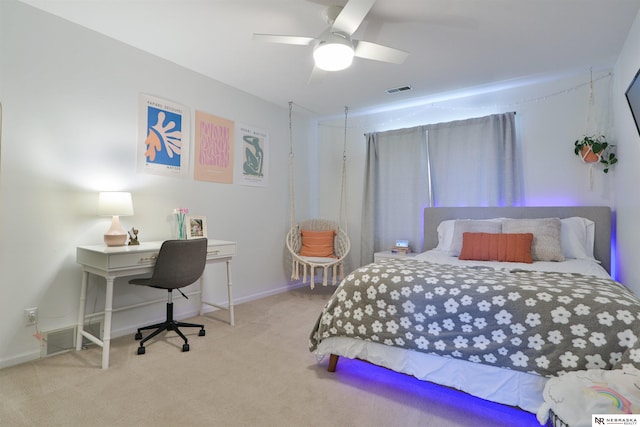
column 116, row 333
column 20, row 359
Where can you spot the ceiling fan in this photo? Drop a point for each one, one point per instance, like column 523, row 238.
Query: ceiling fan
column 334, row 49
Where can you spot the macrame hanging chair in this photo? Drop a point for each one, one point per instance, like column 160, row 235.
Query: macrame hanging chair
column 318, row 243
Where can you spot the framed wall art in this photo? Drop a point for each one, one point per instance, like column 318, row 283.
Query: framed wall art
column 253, row 156
column 213, row 159
column 163, row 140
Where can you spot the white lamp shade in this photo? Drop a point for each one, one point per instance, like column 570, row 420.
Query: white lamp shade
column 334, row 55
column 115, row 203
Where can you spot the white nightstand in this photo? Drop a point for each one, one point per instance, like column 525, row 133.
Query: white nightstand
column 388, row 254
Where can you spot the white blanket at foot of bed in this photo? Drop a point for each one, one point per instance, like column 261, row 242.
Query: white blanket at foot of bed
column 575, row 396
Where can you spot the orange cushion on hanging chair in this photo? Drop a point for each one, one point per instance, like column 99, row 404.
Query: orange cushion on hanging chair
column 317, row 243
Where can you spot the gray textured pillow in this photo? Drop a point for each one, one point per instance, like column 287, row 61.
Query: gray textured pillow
column 546, row 244
column 471, row 226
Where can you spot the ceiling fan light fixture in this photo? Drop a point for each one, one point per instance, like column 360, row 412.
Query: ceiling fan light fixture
column 333, row 56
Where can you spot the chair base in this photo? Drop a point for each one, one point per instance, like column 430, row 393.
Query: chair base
column 168, row 325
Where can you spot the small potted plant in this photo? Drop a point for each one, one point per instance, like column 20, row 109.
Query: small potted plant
column 593, row 149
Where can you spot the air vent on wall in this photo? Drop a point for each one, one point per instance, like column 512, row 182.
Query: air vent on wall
column 398, row 89
column 61, row 340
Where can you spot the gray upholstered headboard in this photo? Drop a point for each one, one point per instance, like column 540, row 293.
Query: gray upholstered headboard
column 601, row 215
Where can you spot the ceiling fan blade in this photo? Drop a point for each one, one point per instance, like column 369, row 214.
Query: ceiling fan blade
column 378, row 52
column 276, row 38
column 352, row 15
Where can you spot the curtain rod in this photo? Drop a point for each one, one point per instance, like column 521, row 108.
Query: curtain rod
column 514, row 113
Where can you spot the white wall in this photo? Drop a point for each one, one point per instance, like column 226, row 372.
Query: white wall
column 69, row 129
column 551, row 113
column 69, row 101
column 628, row 173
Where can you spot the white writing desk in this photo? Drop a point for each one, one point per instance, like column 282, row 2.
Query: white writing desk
column 121, row 261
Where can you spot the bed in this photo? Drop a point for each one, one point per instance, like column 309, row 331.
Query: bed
column 495, row 330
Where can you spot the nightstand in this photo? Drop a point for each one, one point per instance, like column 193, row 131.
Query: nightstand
column 388, row 254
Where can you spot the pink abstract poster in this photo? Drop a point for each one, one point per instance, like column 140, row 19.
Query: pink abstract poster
column 213, row 159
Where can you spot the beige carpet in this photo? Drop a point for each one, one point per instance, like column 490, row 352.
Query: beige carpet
column 257, row 373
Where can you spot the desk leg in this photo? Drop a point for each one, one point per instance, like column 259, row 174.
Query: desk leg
column 83, row 301
column 230, row 294
column 108, row 309
column 201, row 296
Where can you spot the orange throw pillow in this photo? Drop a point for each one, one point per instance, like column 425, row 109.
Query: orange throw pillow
column 317, row 243
column 497, row 247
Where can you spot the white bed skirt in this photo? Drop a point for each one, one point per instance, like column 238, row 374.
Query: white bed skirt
column 499, row 385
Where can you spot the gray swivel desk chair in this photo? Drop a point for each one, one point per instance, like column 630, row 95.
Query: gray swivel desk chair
column 179, row 264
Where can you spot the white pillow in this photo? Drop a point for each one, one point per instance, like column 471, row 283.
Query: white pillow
column 577, row 236
column 445, row 234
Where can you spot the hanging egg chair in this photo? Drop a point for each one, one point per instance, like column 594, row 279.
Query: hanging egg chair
column 317, row 243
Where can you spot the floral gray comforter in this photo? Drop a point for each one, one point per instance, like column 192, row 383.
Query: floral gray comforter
column 535, row 322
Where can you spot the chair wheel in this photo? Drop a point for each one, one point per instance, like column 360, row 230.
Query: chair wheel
column 141, row 350
column 202, row 333
column 185, row 347
column 138, row 336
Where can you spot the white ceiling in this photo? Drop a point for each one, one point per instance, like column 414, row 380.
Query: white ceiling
column 453, row 44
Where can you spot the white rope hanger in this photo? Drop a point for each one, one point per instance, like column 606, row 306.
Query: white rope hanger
column 291, row 186
column 590, row 123
column 343, row 192
column 342, row 213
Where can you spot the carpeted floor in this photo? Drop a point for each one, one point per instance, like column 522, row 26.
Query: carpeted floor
column 257, row 373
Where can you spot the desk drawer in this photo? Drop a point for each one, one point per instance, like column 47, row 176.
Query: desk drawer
column 139, row 259
column 221, row 251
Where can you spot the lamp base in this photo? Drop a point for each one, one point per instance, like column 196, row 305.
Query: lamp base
column 115, row 239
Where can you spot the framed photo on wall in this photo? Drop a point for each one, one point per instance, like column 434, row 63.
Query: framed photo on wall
column 196, row 227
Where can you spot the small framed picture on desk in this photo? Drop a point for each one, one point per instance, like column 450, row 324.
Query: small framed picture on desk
column 196, row 227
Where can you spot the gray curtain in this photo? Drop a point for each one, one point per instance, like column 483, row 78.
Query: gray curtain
column 462, row 163
column 395, row 190
column 473, row 162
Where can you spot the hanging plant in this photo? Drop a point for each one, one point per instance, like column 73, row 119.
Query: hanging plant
column 594, row 149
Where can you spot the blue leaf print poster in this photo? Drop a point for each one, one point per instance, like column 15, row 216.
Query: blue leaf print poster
column 163, row 143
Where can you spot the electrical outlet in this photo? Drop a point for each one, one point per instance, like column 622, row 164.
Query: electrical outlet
column 30, row 316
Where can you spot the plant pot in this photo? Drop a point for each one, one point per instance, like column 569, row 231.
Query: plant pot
column 588, row 156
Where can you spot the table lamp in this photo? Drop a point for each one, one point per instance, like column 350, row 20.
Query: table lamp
column 114, row 204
